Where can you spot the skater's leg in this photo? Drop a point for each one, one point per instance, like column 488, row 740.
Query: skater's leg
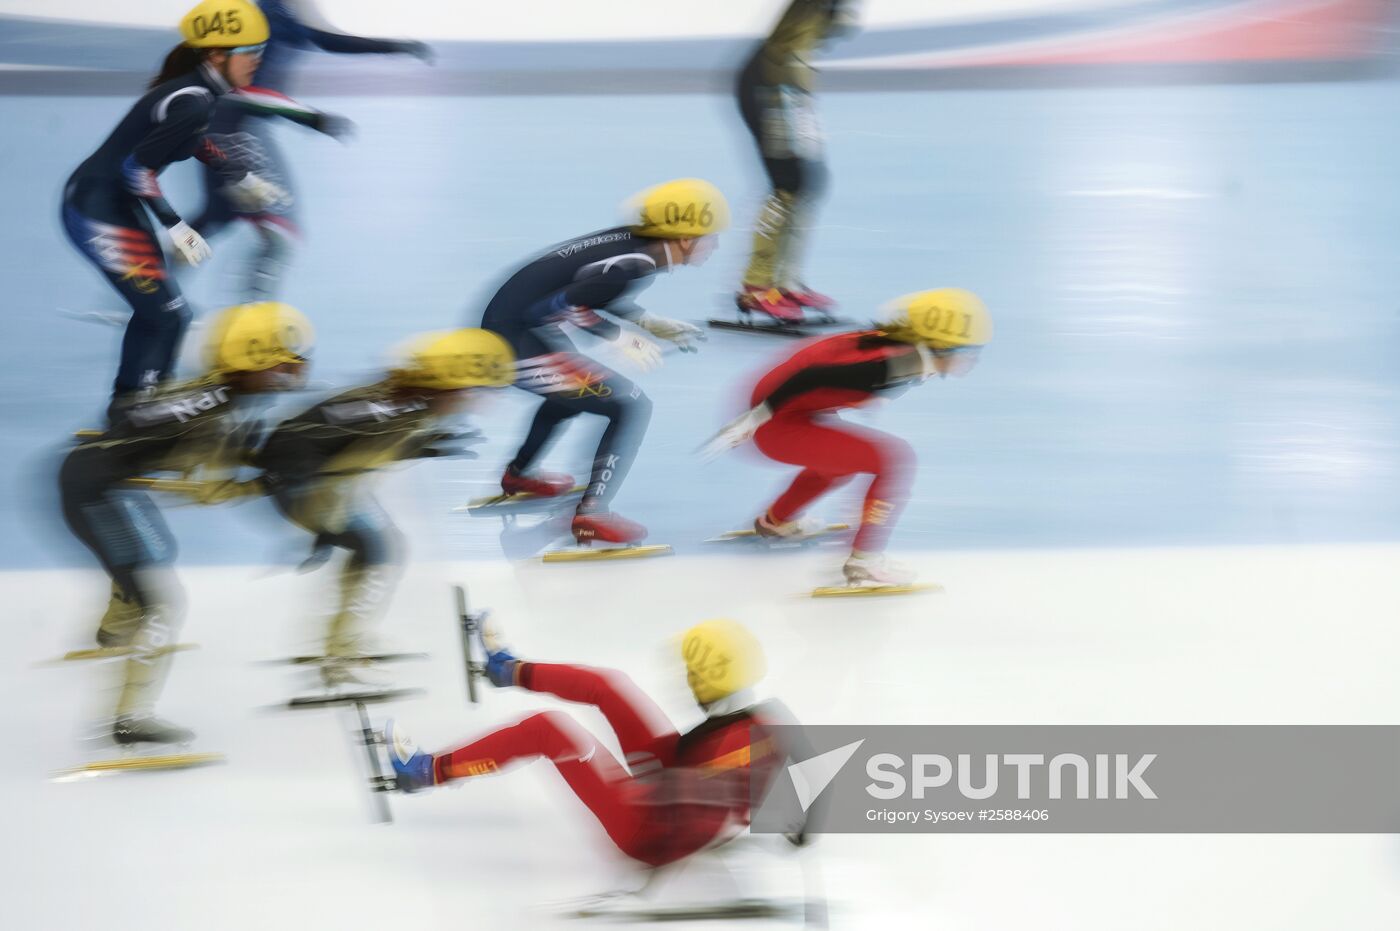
column 278, row 238
column 845, row 450
column 125, row 249
column 798, row 439
column 594, row 774
column 129, row 537
column 342, row 515
column 642, row 728
column 543, row 431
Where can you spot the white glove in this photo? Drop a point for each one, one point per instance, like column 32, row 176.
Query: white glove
column 189, row 245
column 736, row 432
column 643, row 353
column 684, row 335
column 254, row 194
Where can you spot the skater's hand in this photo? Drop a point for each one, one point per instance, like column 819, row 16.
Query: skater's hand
column 419, row 50
column 255, row 194
column 338, row 127
column 643, row 353
column 736, row 432
column 454, row 444
column 189, row 245
column 684, row 335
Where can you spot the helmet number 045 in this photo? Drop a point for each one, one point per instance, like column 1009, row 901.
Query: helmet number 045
column 225, row 23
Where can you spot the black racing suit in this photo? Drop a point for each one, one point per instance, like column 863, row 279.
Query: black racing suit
column 317, row 465
column 183, row 427
column 569, row 285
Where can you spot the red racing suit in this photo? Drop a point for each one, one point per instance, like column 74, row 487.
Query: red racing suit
column 804, row 392
column 675, row 794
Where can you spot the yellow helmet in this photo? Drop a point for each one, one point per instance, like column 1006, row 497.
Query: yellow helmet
column 452, row 359
column 224, row 24
column 944, row 319
column 257, row 337
column 721, row 657
column 680, row 209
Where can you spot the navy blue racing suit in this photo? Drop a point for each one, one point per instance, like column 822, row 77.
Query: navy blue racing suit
column 570, row 284
column 105, row 204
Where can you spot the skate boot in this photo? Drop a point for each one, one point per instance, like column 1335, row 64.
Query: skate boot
column 770, row 301
column 500, row 662
column 149, row 729
column 803, row 296
column 338, row 673
column 607, row 527
column 413, row 769
column 874, row 569
column 538, row 484
column 770, row 529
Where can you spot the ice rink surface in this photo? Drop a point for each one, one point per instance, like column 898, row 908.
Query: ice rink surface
column 1168, row 494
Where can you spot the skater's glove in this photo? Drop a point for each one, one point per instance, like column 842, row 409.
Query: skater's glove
column 684, row 335
column 189, row 245
column 419, row 50
column 254, row 194
column 337, row 127
column 456, row 445
column 736, row 432
column 321, row 552
column 642, row 352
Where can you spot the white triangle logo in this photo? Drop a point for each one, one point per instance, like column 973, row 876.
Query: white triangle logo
column 811, row 777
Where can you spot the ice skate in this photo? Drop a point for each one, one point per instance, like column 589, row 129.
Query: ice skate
column 605, row 527
column 873, row 574
column 413, row 769
column 350, row 679
column 131, row 731
column 773, row 533
column 519, row 487
column 803, row 296
column 764, row 310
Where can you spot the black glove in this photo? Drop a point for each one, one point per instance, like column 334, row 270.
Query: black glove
column 337, row 127
column 455, row 445
column 419, row 50
column 321, row 550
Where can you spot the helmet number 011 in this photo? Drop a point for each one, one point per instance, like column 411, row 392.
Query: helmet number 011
column 225, row 23
column 945, row 320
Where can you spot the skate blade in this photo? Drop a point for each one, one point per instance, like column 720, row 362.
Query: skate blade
column 361, row 697
column 752, row 534
column 121, row 652
column 496, row 501
column 86, row 434
column 838, row 591
column 588, row 554
column 138, row 764
column 633, row 911
column 361, row 660
column 794, row 330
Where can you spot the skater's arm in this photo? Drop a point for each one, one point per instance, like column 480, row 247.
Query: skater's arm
column 260, row 101
column 299, row 20
column 177, row 135
column 858, row 376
